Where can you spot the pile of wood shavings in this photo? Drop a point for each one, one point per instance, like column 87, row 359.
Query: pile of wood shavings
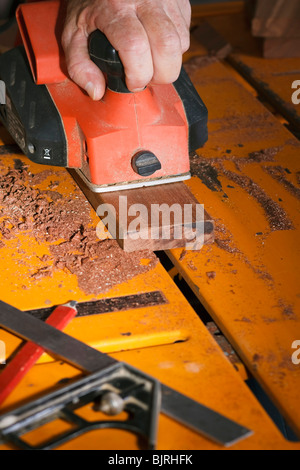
column 49, row 217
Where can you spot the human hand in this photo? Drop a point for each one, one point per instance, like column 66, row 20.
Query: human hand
column 149, row 35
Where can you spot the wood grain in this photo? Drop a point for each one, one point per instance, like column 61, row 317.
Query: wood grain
column 141, row 228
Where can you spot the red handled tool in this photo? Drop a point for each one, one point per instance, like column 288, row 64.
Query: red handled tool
column 17, row 368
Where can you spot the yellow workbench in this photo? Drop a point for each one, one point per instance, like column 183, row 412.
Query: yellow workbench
column 248, row 177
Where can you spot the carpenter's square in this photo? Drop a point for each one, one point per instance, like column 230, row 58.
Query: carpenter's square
column 173, row 404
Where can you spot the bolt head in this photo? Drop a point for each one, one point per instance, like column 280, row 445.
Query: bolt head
column 111, row 404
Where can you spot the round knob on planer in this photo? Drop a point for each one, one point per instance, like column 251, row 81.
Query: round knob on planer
column 145, row 163
column 103, row 54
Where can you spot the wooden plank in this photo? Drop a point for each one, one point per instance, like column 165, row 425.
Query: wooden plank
column 137, row 227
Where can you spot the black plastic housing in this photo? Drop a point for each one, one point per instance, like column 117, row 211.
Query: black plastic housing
column 195, row 111
column 105, row 56
column 29, row 113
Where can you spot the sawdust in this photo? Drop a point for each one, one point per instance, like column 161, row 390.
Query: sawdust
column 65, row 224
column 209, row 171
column 224, row 238
column 211, row 275
column 18, row 164
column 268, row 320
column 225, row 245
column 182, row 255
column 276, row 215
column 244, row 126
column 53, row 184
column 257, row 357
column 279, row 174
column 27, row 208
column 205, row 170
column 264, row 155
column 224, row 241
column 286, row 310
column 98, row 265
column 54, row 195
column 243, row 319
column 192, row 266
column 39, row 177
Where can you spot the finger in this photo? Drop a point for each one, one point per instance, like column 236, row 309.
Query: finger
column 164, row 41
column 186, row 11
column 80, row 67
column 129, row 38
column 180, row 18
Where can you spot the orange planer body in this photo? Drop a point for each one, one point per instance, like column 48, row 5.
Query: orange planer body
column 123, row 141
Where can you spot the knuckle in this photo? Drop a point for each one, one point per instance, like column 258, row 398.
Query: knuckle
column 169, row 41
column 74, row 70
column 135, row 45
column 72, row 73
column 185, row 42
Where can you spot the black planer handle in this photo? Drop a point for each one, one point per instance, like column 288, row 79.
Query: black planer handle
column 105, row 56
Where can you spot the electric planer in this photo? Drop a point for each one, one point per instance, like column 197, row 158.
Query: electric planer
column 125, row 140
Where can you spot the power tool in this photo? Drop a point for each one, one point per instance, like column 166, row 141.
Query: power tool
column 125, row 140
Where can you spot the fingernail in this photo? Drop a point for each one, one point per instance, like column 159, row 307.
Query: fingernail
column 91, row 90
column 136, row 90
